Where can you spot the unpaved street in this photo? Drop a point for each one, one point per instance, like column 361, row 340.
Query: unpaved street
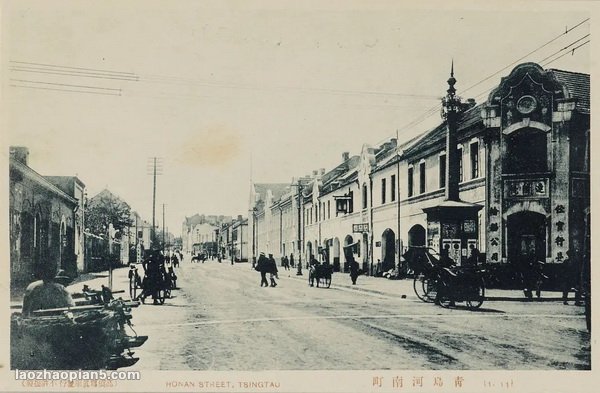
column 221, row 319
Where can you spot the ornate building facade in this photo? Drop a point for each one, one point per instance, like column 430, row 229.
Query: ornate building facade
column 509, row 177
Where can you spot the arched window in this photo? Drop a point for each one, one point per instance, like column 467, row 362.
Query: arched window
column 526, row 151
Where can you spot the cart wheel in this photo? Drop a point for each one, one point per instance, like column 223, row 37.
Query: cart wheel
column 328, row 281
column 444, row 301
column 477, row 301
column 161, row 296
column 419, row 287
column 441, row 296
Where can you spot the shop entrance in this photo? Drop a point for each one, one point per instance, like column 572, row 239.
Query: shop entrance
column 526, row 237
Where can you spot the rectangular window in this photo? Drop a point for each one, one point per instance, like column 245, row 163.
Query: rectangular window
column 393, row 188
column 459, row 153
column 351, row 202
column 328, row 209
column 474, row 160
column 382, row 191
column 442, row 171
column 410, row 182
column 421, row 178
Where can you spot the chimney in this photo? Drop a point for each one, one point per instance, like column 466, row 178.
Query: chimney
column 394, row 142
column 315, row 173
column 239, row 217
column 19, row 153
column 322, row 171
column 345, row 156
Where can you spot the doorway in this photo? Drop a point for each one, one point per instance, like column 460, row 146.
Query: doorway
column 526, row 237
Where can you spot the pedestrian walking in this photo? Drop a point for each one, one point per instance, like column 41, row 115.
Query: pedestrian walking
column 273, row 270
column 262, row 266
column 286, row 262
column 175, row 260
column 532, row 275
column 354, row 269
column 292, row 260
column 571, row 274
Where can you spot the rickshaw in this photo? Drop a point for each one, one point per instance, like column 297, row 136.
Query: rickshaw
column 444, row 285
column 90, row 335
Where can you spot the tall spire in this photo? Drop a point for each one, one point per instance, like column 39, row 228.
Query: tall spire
column 451, row 81
column 451, row 107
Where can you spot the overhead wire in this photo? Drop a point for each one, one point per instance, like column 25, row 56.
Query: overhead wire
column 428, row 113
column 437, row 108
column 75, row 68
column 64, row 84
column 65, row 90
column 72, row 73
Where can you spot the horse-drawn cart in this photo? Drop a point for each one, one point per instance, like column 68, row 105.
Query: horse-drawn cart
column 321, row 274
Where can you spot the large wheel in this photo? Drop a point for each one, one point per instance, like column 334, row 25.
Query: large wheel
column 419, row 287
column 477, row 301
column 441, row 294
column 161, row 295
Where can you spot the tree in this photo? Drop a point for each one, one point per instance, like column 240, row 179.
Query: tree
column 105, row 209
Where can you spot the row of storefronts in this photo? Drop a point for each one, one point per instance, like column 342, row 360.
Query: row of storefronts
column 508, row 176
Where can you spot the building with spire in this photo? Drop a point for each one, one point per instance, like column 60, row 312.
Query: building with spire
column 508, row 176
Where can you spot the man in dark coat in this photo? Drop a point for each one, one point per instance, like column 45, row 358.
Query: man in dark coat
column 273, row 270
column 263, row 267
column 354, row 268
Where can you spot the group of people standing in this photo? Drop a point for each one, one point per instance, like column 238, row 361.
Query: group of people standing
column 287, row 262
column 266, row 265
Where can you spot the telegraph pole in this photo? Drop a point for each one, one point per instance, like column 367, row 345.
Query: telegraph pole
column 156, row 163
column 163, row 230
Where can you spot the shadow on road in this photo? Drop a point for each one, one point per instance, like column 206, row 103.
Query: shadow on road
column 479, row 310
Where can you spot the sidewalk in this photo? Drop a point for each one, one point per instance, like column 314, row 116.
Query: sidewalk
column 404, row 287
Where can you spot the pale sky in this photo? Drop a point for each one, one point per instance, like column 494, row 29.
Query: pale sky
column 223, row 89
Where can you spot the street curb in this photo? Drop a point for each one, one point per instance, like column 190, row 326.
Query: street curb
column 487, row 298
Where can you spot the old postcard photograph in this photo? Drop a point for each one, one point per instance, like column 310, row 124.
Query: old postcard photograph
column 280, row 196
